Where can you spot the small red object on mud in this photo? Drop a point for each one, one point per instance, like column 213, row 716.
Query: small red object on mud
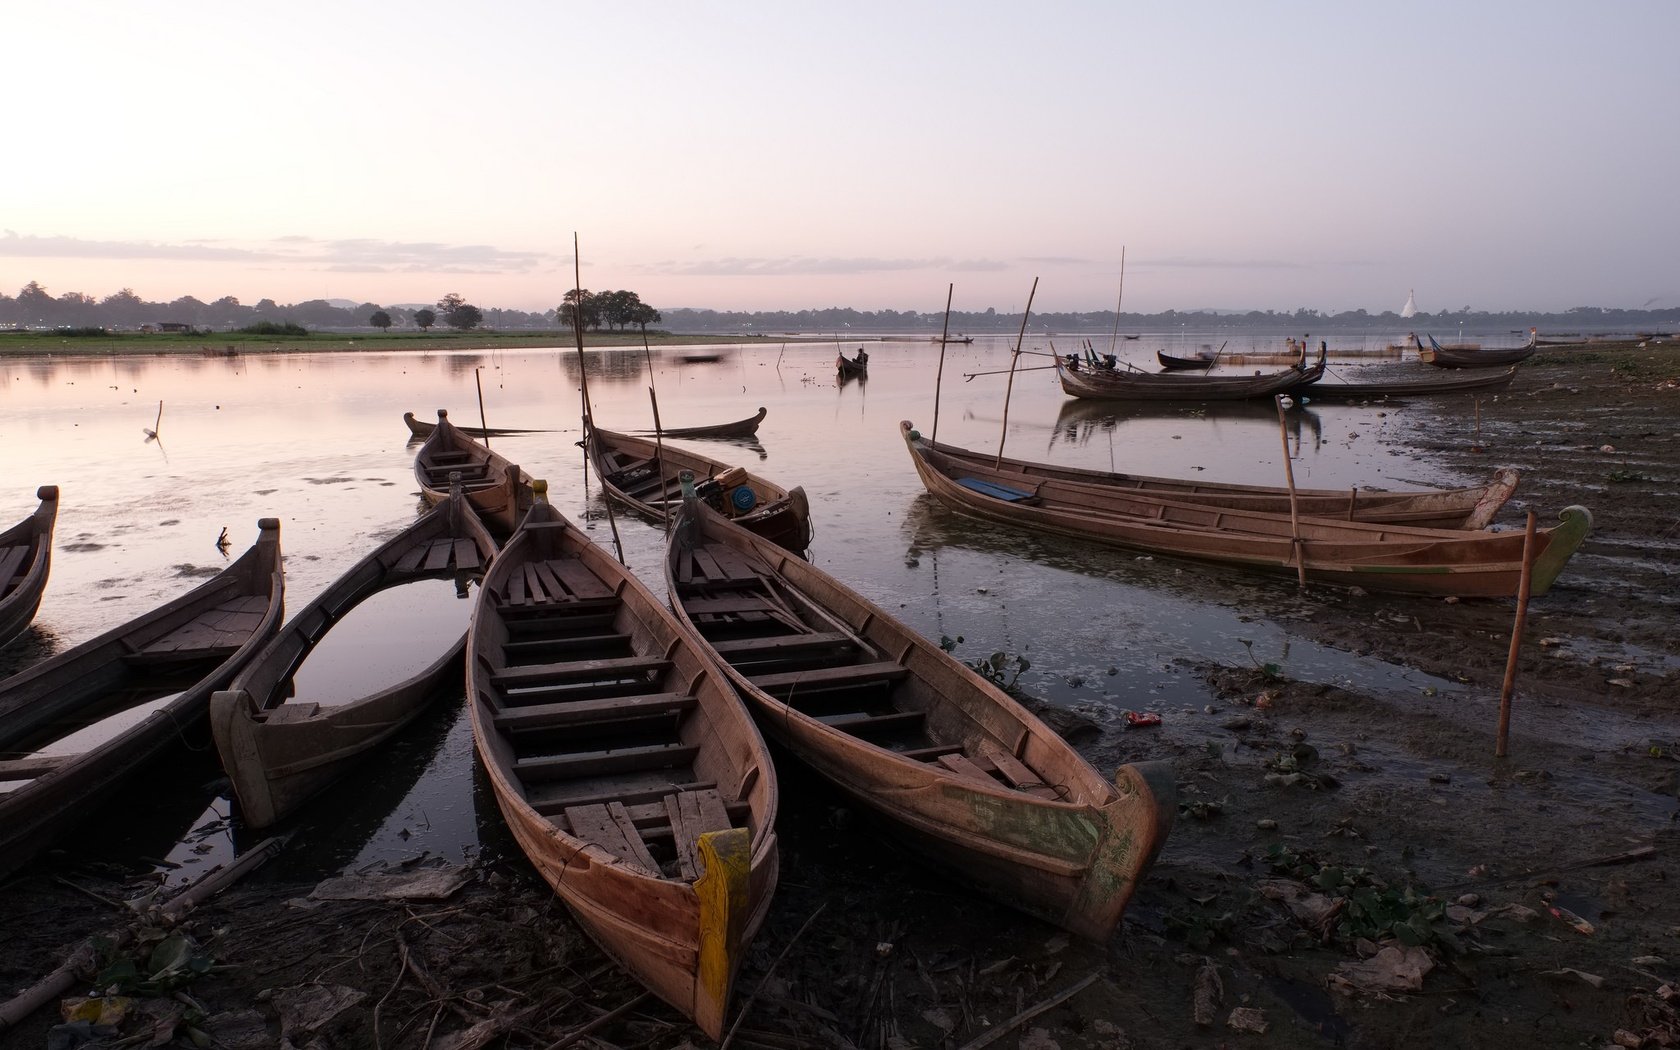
column 1142, row 718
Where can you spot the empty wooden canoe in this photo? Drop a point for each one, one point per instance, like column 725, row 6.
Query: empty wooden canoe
column 1350, row 553
column 75, row 727
column 1471, row 507
column 975, row 781
column 643, row 475
column 25, row 560
column 498, row 490
column 419, row 430
column 739, row 428
column 628, row 770
column 279, row 748
column 1126, row 384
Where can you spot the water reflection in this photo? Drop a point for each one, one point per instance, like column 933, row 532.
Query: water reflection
column 1079, row 421
column 387, row 638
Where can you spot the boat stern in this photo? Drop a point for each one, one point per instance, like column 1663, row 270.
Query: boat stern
column 725, row 904
column 1135, row 825
column 1562, row 541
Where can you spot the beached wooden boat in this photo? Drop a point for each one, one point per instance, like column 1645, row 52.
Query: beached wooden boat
column 1471, row 356
column 644, row 476
column 968, row 776
column 740, row 428
column 279, row 749
column 497, row 489
column 1378, row 557
column 25, row 560
column 1121, row 384
column 1390, row 386
column 1471, row 507
column 76, row 726
column 852, row 367
column 628, row 770
column 419, row 430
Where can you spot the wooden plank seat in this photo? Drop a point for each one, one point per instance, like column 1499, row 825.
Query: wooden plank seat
column 579, row 764
column 996, row 491
column 11, row 560
column 1017, row 775
column 648, row 787
column 598, row 711
column 556, row 581
column 610, row 669
column 598, row 643
column 692, row 814
column 741, row 650
column 528, row 622
column 849, row 676
column 216, row 632
column 610, row 827
column 865, row 724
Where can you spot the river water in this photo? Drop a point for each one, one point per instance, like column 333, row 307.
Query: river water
column 318, row 441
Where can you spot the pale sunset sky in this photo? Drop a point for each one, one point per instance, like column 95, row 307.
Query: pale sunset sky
column 1497, row 155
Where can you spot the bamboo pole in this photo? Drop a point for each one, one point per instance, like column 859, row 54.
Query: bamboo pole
column 939, row 379
column 483, row 424
column 1523, row 583
column 1295, row 543
column 1114, row 336
column 583, row 391
column 658, row 428
column 1003, row 431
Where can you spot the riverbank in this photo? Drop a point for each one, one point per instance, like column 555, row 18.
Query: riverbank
column 233, row 344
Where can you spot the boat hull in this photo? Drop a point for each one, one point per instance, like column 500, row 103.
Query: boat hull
column 25, row 562
column 498, row 490
column 1122, row 385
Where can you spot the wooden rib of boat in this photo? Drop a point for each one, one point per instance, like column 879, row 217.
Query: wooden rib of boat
column 852, row 367
column 25, row 560
column 1472, row 355
column 1119, row 384
column 970, row 777
column 497, row 489
column 740, row 428
column 280, row 749
column 1471, row 507
column 645, row 475
column 1377, row 557
column 419, row 430
column 630, row 773
column 75, row 727
column 1370, row 389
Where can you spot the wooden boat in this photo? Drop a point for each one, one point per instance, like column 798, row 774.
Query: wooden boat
column 701, row 358
column 1372, row 389
column 970, row 777
column 25, row 560
column 954, row 340
column 143, row 685
column 630, row 773
column 740, row 428
column 1118, row 384
column 498, row 490
column 1472, row 356
column 1202, row 361
column 853, row 367
column 1378, row 557
column 279, row 749
column 1472, row 507
column 420, row 431
column 635, row 473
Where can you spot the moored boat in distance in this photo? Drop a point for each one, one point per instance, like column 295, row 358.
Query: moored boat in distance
column 968, row 776
column 1390, row 385
column 629, row 772
column 497, row 489
column 852, row 367
column 739, row 428
column 279, row 748
column 419, row 430
column 76, row 727
column 1378, row 557
column 1471, row 355
column 1125, row 384
column 25, row 561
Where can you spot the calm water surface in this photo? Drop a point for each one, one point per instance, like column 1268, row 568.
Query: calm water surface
column 317, row 440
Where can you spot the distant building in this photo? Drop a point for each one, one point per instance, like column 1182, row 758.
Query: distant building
column 1410, row 309
column 172, row 326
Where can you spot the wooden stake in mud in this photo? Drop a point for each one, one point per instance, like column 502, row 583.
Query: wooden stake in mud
column 1294, row 504
column 938, row 379
column 1004, row 430
column 1523, row 583
column 583, row 389
column 482, row 423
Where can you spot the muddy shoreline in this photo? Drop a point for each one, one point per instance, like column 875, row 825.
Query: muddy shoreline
column 1348, row 869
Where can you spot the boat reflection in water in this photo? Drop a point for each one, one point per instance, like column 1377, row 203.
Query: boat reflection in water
column 1078, row 421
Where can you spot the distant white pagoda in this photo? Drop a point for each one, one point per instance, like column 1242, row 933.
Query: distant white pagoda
column 1410, row 309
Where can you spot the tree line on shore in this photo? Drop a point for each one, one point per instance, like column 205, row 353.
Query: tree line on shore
column 35, row 308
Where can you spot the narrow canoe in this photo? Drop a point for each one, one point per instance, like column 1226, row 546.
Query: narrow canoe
column 971, row 778
column 1371, row 389
column 148, row 680
column 1174, row 363
column 740, row 428
column 1119, row 384
column 644, row 476
column 626, row 767
column 279, row 749
column 1471, row 507
column 852, row 367
column 1373, row 556
column 25, row 560
column 419, row 430
column 1471, row 356
column 497, row 489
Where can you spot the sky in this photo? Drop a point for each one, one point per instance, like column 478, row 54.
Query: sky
column 766, row 156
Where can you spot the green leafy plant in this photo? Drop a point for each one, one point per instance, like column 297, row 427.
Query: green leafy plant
column 1002, row 670
column 1270, row 672
column 1621, row 475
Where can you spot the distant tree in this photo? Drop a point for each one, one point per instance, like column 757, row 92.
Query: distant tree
column 425, row 319
column 34, row 305
column 580, row 305
column 380, row 320
column 464, row 318
column 644, row 315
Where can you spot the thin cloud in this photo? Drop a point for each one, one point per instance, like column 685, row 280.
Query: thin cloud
column 342, row 256
column 19, row 246
column 805, row 266
column 1187, row 262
